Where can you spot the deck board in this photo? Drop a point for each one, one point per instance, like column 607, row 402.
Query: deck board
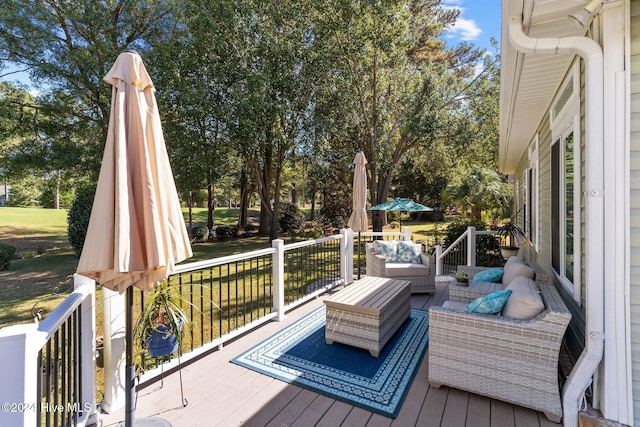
column 221, row 393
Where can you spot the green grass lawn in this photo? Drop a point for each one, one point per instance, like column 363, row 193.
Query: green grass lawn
column 45, row 262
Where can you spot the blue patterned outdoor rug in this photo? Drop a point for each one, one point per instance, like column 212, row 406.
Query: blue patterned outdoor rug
column 299, row 355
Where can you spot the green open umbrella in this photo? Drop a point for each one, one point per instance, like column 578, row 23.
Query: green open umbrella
column 400, row 204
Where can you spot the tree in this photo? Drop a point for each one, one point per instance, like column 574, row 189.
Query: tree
column 393, row 83
column 195, row 106
column 478, row 189
column 272, row 95
column 67, row 47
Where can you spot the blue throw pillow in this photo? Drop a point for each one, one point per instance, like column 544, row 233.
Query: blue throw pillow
column 489, row 304
column 489, row 275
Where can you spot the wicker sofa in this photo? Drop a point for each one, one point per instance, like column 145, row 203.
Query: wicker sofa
column 503, row 358
column 476, row 289
column 421, row 275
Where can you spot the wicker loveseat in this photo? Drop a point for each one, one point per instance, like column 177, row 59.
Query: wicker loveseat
column 476, row 289
column 422, row 275
column 500, row 357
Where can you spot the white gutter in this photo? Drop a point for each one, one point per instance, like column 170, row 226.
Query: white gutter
column 591, row 52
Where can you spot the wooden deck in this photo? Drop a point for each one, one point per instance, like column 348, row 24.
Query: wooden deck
column 221, row 393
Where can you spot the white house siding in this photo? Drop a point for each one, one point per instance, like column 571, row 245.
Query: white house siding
column 634, row 160
column 574, row 337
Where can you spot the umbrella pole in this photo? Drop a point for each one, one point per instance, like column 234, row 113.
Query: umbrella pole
column 358, row 255
column 130, row 389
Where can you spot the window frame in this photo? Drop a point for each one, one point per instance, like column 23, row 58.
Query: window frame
column 532, row 215
column 565, row 122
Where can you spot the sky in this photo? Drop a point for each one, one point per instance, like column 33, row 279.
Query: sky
column 479, row 21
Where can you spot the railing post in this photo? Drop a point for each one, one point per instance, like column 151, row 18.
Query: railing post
column 114, row 351
column 471, row 246
column 19, row 346
column 278, row 278
column 407, row 234
column 87, row 348
column 439, row 260
column 346, row 255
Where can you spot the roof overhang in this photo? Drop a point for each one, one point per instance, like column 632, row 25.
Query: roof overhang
column 528, row 83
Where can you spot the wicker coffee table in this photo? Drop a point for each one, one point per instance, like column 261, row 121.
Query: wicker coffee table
column 368, row 312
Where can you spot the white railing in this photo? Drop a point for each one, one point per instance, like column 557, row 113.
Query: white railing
column 114, row 357
column 464, row 250
column 20, row 346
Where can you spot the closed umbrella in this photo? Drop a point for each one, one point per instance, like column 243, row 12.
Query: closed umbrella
column 358, row 220
column 136, row 232
column 400, row 204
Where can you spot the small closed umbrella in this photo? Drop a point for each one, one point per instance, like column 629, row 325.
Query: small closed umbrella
column 358, row 220
column 400, row 204
column 136, row 231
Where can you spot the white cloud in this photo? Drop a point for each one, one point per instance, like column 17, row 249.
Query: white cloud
column 467, row 29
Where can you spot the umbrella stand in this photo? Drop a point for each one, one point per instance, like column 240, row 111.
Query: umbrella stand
column 358, row 255
column 130, row 368
column 130, row 374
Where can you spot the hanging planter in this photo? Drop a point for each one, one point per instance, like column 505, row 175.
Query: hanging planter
column 164, row 340
column 160, row 326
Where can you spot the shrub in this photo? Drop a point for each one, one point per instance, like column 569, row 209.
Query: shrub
column 200, row 234
column 224, row 232
column 6, row 254
column 78, row 217
column 291, row 218
column 336, row 209
column 487, row 246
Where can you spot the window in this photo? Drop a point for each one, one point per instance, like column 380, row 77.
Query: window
column 565, row 189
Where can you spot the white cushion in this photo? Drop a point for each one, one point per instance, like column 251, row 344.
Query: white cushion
column 525, row 301
column 407, row 251
column 402, row 269
column 388, row 249
column 514, row 268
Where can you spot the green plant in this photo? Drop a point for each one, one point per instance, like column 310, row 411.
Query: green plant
column 460, row 276
column 487, row 245
column 164, row 306
column 78, row 217
column 200, row 234
column 6, row 255
column 225, row 232
column 514, row 235
column 291, row 218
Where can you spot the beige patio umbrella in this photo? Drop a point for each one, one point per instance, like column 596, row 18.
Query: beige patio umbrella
column 358, row 221
column 136, row 231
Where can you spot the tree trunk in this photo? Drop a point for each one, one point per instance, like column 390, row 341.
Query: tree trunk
column 56, row 202
column 313, row 202
column 190, row 206
column 210, row 206
column 244, row 198
column 266, row 211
